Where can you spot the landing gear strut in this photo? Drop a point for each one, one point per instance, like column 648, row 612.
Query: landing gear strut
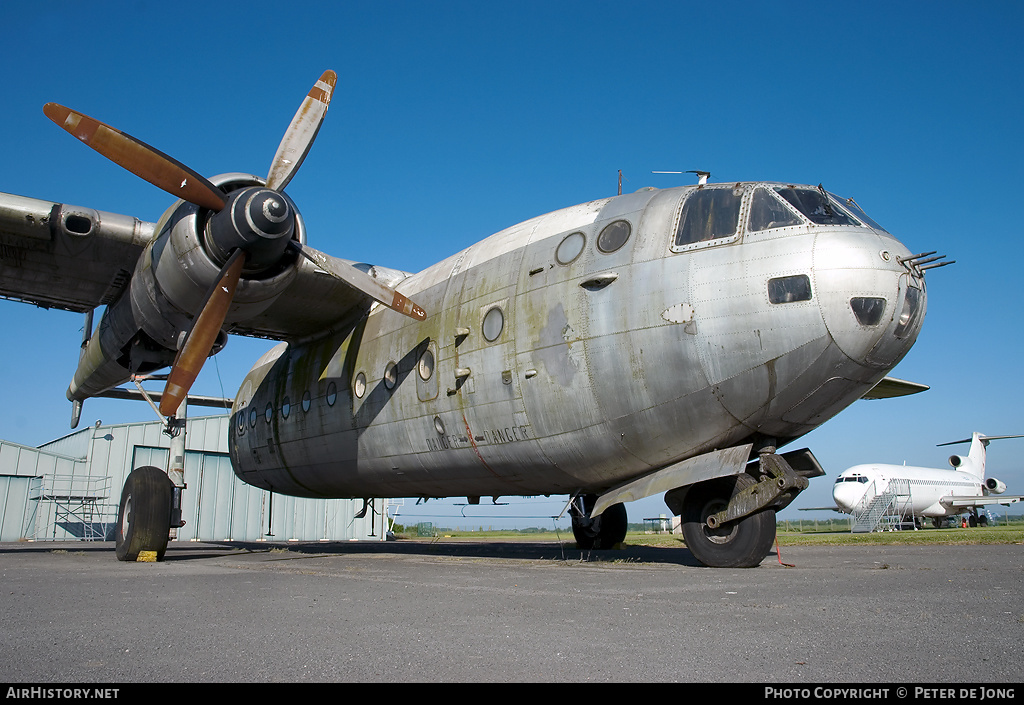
column 144, row 516
column 605, row 531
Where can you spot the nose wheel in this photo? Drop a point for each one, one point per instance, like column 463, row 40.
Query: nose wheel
column 742, row 543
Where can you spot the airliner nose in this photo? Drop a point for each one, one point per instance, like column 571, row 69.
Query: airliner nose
column 872, row 304
column 847, row 494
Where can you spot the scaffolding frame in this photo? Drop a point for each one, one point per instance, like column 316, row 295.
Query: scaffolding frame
column 74, row 503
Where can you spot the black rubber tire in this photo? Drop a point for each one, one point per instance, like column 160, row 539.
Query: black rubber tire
column 144, row 515
column 605, row 532
column 743, row 543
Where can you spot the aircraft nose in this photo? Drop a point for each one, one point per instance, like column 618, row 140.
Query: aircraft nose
column 872, row 303
column 847, row 494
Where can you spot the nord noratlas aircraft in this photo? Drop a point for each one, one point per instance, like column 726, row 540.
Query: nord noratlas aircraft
column 669, row 340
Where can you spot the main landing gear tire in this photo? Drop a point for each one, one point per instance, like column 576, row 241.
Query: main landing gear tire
column 144, row 516
column 742, row 543
column 605, row 531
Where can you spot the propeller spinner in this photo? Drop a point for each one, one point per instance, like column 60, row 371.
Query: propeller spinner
column 249, row 230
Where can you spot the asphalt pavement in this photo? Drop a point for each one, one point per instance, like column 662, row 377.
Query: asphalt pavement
column 509, row 612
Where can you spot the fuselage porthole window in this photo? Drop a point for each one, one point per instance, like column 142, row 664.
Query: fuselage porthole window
column 613, row 236
column 269, row 413
column 359, row 387
column 332, row 394
column 494, row 323
column 426, row 364
column 570, row 248
column 286, row 407
column 391, row 375
column 307, row 401
column 253, row 415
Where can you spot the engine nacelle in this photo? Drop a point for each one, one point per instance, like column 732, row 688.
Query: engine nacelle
column 995, row 486
column 959, row 462
column 143, row 330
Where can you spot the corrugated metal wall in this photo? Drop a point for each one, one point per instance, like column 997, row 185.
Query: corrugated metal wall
column 216, row 505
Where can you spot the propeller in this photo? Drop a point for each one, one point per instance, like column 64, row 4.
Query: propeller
column 249, row 230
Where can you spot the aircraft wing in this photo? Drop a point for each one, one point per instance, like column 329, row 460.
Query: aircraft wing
column 68, row 257
column 890, row 387
column 59, row 256
column 975, row 501
column 822, row 509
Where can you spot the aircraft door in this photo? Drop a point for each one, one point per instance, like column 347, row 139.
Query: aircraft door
column 477, row 372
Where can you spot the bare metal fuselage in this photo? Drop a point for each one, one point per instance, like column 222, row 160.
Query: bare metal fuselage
column 547, row 365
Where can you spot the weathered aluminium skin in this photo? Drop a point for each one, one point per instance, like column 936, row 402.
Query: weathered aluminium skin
column 650, row 342
column 607, row 367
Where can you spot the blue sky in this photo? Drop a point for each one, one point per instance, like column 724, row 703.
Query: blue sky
column 453, row 120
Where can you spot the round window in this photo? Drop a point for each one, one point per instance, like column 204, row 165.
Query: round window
column 286, row 407
column 426, row 366
column 253, row 415
column 306, row 400
column 360, row 385
column 332, row 394
column 494, row 321
column 391, row 376
column 269, row 413
column 570, row 248
column 613, row 236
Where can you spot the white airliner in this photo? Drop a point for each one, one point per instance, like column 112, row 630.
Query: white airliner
column 928, row 492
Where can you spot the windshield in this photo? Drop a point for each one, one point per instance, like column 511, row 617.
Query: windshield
column 815, row 205
column 851, row 205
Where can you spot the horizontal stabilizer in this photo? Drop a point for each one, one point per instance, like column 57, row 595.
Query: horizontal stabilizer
column 890, row 387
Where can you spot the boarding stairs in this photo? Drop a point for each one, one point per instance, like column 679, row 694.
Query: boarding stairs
column 889, row 510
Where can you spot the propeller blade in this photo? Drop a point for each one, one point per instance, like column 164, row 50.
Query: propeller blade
column 138, row 157
column 202, row 336
column 301, row 132
column 361, row 282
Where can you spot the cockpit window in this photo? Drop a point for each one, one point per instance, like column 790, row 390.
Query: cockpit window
column 767, row 212
column 852, row 478
column 815, row 205
column 858, row 212
column 709, row 214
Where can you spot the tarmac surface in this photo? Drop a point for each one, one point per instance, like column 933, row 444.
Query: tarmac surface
column 458, row 611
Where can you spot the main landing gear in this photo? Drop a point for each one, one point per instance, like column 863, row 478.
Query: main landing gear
column 605, row 531
column 144, row 516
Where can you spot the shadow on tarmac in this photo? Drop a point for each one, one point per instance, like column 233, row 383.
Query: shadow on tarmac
column 504, row 549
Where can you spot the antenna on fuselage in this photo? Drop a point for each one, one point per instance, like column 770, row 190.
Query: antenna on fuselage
column 702, row 176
